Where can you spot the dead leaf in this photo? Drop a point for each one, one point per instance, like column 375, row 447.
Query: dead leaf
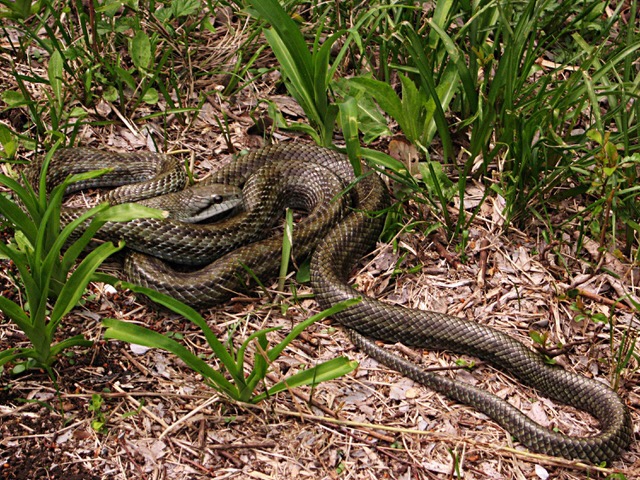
column 402, row 150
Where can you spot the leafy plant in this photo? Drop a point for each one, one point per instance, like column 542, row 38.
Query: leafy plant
column 95, row 406
column 625, row 351
column 19, row 9
column 46, row 273
column 613, row 183
column 307, row 74
column 622, row 352
column 413, row 109
column 119, row 52
column 241, row 386
column 9, row 143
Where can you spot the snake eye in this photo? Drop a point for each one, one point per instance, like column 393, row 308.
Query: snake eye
column 217, row 199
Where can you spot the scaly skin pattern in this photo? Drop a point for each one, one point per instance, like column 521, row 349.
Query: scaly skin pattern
column 342, row 228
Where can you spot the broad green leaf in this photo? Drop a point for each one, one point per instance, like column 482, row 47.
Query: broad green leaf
column 182, row 8
column 110, row 94
column 414, row 110
column 13, row 99
column 538, row 337
column 77, row 282
column 140, row 51
column 8, row 142
column 18, row 9
column 17, row 315
column 126, row 77
column 187, row 312
column 322, row 373
column 437, row 181
column 150, row 96
column 382, row 92
column 384, row 160
column 350, row 128
column 55, row 72
column 371, row 121
column 595, row 135
column 138, row 335
column 78, row 112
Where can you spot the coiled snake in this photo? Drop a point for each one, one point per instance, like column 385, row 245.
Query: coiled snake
column 342, row 231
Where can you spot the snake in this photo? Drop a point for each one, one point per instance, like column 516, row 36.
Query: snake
column 345, row 219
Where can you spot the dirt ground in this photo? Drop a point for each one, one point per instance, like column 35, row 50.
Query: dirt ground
column 118, row 413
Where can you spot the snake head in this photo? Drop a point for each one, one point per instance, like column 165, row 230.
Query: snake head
column 200, row 203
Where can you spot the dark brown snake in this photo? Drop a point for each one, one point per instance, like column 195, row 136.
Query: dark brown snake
column 341, row 231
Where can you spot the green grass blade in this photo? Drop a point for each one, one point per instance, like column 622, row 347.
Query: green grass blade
column 320, row 67
column 101, row 214
column 50, row 239
column 458, row 58
column 287, row 30
column 446, row 89
column 298, row 329
column 22, row 262
column 415, row 46
column 77, row 282
column 75, row 341
column 243, row 348
column 48, row 231
column 9, row 355
column 190, row 314
column 384, row 160
column 42, row 185
column 324, row 372
column 287, row 244
column 12, row 212
column 299, row 86
column 17, row 315
column 128, row 332
column 77, row 247
column 349, row 121
column 260, row 367
column 292, row 53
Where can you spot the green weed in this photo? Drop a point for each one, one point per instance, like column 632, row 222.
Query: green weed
column 307, row 73
column 99, row 422
column 235, row 383
column 46, row 273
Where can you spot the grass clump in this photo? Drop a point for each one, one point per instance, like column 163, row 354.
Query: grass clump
column 51, row 283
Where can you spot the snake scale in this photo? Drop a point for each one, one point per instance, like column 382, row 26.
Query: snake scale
column 339, row 230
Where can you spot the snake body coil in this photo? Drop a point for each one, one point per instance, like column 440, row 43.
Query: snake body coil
column 343, row 239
